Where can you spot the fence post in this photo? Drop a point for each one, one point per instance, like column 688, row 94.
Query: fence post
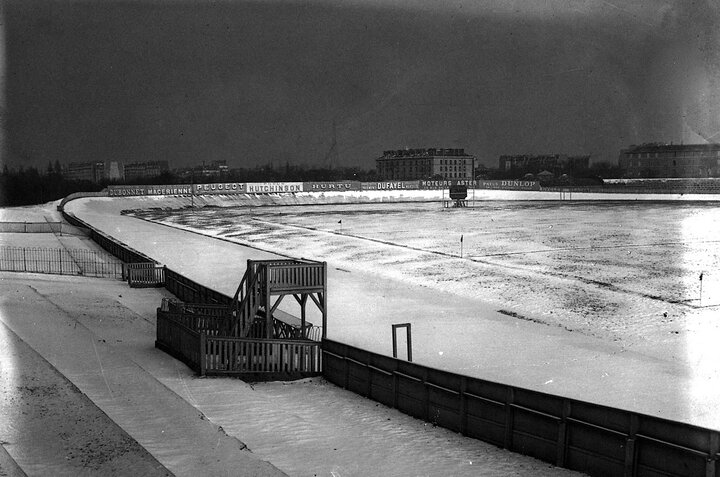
column 711, row 466
column 426, row 396
column 368, row 391
column 630, row 453
column 509, row 418
column 203, row 354
column 562, row 434
column 463, row 405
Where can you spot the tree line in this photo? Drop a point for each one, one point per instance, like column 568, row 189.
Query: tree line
column 28, row 186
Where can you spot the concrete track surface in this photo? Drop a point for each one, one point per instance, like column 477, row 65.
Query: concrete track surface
column 83, row 391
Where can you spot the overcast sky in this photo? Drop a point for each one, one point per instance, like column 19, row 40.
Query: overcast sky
column 264, row 81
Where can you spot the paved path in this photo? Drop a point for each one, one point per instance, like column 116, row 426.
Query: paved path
column 167, row 426
column 516, row 352
column 51, row 428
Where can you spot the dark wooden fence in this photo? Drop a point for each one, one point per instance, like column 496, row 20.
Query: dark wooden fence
column 581, row 436
column 198, row 341
column 179, row 341
column 122, row 251
column 192, row 292
column 211, row 321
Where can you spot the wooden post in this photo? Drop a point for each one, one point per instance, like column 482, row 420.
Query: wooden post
column 268, row 310
column 701, row 280
column 711, row 466
column 303, row 302
column 509, row 418
column 463, row 406
column 323, row 300
column 409, row 343
column 630, row 452
column 562, row 435
column 408, row 338
column 426, row 396
column 394, row 340
column 203, row 354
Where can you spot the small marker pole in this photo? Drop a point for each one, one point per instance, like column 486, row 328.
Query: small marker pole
column 461, row 246
column 701, row 277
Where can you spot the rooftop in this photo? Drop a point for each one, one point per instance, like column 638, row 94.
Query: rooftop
column 425, row 152
column 659, row 147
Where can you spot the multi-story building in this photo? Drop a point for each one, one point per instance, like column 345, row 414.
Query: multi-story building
column 555, row 163
column 141, row 170
column 92, row 171
column 415, row 164
column 671, row 160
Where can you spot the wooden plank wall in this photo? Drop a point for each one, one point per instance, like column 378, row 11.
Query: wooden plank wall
column 581, row 436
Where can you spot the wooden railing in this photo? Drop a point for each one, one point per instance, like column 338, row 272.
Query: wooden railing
column 261, row 356
column 246, row 301
column 176, row 306
column 143, row 275
column 297, row 277
column 178, row 340
column 196, row 340
column 190, row 291
column 203, row 324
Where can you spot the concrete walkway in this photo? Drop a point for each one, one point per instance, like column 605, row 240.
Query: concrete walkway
column 164, row 424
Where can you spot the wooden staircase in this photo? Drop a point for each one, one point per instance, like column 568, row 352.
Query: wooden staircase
column 265, row 283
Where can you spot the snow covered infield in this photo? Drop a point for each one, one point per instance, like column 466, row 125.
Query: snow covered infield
column 624, row 272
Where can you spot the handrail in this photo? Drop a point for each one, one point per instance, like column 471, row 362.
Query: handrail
column 247, row 306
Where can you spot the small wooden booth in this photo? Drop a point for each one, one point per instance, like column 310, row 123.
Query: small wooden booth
column 458, row 197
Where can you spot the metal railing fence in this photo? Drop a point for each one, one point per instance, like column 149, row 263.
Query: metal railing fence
column 60, row 261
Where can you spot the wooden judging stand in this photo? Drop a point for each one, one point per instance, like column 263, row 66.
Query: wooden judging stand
column 458, row 196
column 251, row 338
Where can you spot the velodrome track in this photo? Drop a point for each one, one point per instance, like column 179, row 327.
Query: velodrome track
column 362, row 306
column 98, row 333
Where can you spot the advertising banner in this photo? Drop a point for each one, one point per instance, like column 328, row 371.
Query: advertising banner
column 219, row 188
column 445, row 183
column 182, row 189
column 126, row 190
column 509, row 185
column 331, row 186
column 273, row 187
column 390, row 185
column 130, row 190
